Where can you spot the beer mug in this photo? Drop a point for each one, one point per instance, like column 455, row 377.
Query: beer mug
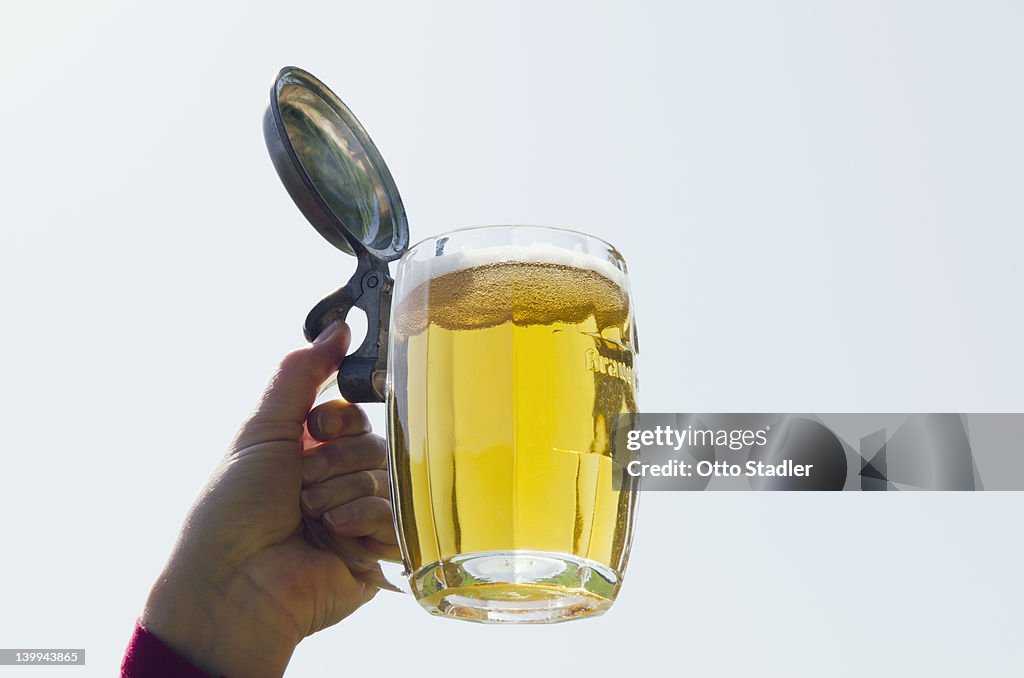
column 506, row 356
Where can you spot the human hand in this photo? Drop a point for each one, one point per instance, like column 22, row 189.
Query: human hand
column 345, row 494
column 244, row 584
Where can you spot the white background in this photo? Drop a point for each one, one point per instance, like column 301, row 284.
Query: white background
column 820, row 205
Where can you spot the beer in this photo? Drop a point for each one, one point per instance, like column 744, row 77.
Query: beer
column 507, row 379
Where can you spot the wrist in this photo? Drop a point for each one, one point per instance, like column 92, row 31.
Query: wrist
column 222, row 632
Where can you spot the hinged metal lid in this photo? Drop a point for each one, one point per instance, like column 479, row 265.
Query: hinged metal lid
column 331, row 168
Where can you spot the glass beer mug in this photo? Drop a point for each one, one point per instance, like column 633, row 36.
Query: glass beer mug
column 505, row 354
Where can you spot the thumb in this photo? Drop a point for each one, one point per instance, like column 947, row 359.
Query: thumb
column 293, row 388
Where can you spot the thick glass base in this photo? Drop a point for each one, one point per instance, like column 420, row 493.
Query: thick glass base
column 515, row 587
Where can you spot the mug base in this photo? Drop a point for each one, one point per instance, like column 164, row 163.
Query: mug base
column 515, row 587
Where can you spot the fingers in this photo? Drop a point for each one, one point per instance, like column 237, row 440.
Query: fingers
column 292, row 389
column 336, row 419
column 345, row 455
column 382, row 550
column 346, row 494
column 362, row 538
column 342, row 489
column 363, row 517
column 352, row 550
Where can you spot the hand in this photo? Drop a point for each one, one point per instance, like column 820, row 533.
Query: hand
column 244, row 584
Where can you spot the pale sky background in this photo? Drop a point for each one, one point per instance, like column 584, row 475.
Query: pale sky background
column 820, row 204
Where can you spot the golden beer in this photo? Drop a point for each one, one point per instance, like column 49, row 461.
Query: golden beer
column 508, row 373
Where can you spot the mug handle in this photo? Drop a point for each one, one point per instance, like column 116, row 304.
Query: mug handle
column 363, row 373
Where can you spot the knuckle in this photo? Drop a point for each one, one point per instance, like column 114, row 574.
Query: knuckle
column 366, row 483
column 380, row 508
column 295, row 358
column 343, row 456
column 386, row 517
column 378, row 450
column 354, row 457
column 352, row 454
column 381, row 487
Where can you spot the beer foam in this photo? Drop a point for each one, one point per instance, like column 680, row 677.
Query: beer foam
column 466, row 257
column 521, row 292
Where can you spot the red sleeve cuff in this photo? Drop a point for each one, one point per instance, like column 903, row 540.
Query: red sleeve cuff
column 148, row 657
